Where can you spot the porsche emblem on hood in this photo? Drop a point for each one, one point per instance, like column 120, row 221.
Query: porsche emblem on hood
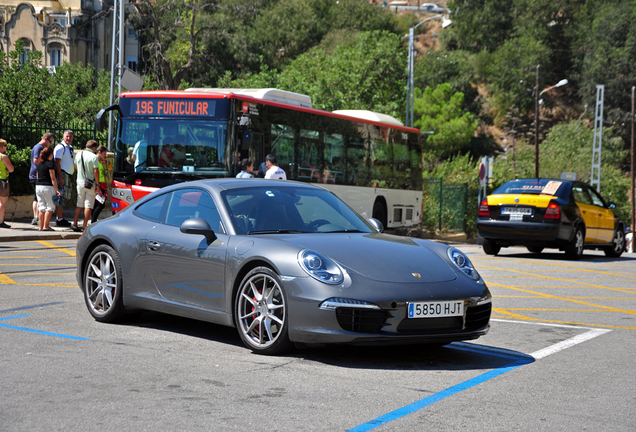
column 417, row 275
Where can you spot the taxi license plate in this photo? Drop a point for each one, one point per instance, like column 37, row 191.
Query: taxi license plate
column 435, row 309
column 517, row 211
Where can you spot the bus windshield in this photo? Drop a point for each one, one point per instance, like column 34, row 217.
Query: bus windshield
column 183, row 146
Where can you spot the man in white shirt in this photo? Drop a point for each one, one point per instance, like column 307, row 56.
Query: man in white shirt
column 273, row 170
column 63, row 154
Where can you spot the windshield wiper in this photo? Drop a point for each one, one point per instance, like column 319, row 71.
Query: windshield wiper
column 279, row 231
column 342, row 231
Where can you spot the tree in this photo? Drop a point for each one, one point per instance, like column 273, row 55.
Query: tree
column 452, row 67
column 31, row 94
column 23, row 86
column 172, row 31
column 441, row 112
column 606, row 54
column 480, row 24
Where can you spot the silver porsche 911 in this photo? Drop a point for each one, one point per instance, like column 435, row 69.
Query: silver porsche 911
column 284, row 262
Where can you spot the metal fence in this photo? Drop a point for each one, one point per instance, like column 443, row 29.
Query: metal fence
column 448, row 207
column 26, row 136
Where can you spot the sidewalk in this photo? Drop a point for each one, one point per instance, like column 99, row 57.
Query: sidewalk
column 22, row 230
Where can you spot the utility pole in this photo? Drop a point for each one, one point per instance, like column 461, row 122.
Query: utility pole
column 117, row 66
column 536, row 126
column 633, row 173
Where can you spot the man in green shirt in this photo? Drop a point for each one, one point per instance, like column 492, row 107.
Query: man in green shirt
column 87, row 168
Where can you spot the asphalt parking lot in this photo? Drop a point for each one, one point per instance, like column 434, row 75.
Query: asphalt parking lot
column 559, row 356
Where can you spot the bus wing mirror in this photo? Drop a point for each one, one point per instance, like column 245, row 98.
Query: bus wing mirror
column 100, row 121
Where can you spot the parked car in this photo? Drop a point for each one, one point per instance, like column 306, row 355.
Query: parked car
column 549, row 213
column 284, row 262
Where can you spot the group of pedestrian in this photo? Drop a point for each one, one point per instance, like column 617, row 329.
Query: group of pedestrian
column 51, row 176
column 268, row 169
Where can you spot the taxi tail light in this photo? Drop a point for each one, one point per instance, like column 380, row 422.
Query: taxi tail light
column 553, row 211
column 483, row 208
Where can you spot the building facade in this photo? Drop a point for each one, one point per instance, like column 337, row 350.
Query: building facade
column 67, row 30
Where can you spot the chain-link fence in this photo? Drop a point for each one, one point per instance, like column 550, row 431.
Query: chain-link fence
column 448, row 207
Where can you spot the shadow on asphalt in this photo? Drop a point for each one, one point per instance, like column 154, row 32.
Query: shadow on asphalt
column 452, row 357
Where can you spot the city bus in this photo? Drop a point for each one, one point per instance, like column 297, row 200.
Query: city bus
column 369, row 160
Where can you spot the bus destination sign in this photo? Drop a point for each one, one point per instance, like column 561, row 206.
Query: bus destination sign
column 173, row 107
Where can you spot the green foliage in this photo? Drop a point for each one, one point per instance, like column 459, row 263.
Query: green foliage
column 24, row 86
column 452, row 67
column 353, row 76
column 32, row 94
column 605, row 50
column 440, row 111
column 512, row 72
column 480, row 24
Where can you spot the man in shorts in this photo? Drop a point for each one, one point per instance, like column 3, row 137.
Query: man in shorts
column 87, row 167
column 47, row 140
column 64, row 167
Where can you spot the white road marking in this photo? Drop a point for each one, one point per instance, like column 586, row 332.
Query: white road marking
column 560, row 346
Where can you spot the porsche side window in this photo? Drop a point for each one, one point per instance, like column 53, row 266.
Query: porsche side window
column 154, row 208
column 193, row 203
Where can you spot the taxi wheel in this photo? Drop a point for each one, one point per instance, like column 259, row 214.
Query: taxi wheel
column 618, row 244
column 490, row 247
column 574, row 250
column 535, row 249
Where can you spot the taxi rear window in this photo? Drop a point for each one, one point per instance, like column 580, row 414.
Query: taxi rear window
column 532, row 187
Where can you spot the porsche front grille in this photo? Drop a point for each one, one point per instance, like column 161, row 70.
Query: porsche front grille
column 361, row 320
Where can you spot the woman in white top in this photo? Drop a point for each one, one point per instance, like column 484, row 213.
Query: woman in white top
column 246, row 169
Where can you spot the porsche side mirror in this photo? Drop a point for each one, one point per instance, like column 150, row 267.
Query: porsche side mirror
column 376, row 224
column 198, row 226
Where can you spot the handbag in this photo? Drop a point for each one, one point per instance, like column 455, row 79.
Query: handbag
column 88, row 183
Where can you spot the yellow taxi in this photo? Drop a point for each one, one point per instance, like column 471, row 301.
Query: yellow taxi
column 549, row 213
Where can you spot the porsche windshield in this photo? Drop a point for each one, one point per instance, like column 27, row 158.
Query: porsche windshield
column 267, row 210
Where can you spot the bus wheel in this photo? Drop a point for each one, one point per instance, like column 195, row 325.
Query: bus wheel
column 379, row 212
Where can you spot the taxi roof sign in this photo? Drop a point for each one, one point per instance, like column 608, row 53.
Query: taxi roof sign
column 569, row 176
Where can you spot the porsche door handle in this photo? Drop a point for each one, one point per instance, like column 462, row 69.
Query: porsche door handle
column 153, row 245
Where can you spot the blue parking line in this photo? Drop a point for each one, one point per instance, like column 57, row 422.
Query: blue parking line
column 36, row 331
column 422, row 403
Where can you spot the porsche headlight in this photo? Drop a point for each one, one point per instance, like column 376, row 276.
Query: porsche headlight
column 320, row 267
column 462, row 262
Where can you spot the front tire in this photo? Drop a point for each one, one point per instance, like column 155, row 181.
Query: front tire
column 103, row 285
column 490, row 247
column 618, row 244
column 261, row 312
column 574, row 249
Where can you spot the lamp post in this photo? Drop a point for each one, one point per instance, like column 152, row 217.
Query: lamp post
column 411, row 63
column 537, row 97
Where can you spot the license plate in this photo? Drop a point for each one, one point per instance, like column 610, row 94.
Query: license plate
column 517, row 211
column 435, row 309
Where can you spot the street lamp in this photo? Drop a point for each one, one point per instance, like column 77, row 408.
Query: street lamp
column 411, row 63
column 537, row 96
